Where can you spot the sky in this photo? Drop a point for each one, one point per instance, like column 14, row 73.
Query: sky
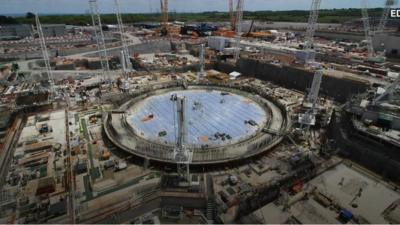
column 12, row 7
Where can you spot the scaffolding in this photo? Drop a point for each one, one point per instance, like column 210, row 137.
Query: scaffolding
column 385, row 15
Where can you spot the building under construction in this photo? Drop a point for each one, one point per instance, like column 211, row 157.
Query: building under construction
column 235, row 121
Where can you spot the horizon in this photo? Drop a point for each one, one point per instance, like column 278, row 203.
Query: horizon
column 74, row 7
column 127, row 13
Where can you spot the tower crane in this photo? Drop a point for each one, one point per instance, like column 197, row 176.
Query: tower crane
column 182, row 155
column 125, row 59
column 385, row 15
column 311, row 27
column 367, row 31
column 308, row 118
column 232, row 18
column 46, row 58
column 202, row 61
column 99, row 35
column 239, row 17
column 164, row 17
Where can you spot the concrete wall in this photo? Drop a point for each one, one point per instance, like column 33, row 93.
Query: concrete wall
column 376, row 115
column 379, row 157
column 389, row 43
column 53, row 30
column 22, row 30
column 293, row 78
column 356, row 37
column 152, row 47
column 158, row 46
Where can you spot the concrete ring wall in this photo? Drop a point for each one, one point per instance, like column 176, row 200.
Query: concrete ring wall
column 122, row 135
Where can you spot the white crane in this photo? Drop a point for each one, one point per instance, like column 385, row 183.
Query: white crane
column 311, row 27
column 182, row 154
column 367, row 30
column 125, row 57
column 369, row 33
column 46, row 58
column 239, row 17
column 308, row 118
column 385, row 15
column 202, row 62
column 164, row 17
column 99, row 36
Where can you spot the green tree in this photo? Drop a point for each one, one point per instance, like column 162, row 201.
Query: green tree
column 30, row 15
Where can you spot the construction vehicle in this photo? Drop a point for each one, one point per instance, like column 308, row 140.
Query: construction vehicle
column 105, row 154
column 200, row 30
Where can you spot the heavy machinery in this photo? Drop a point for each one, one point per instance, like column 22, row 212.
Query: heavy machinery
column 389, row 90
column 199, row 30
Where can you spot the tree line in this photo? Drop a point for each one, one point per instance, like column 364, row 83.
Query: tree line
column 325, row 16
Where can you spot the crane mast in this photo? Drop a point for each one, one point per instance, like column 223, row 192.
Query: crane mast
column 367, row 30
column 239, row 17
column 164, row 16
column 308, row 118
column 46, row 58
column 232, row 15
column 182, row 154
column 312, row 97
column 202, row 62
column 385, row 15
column 311, row 27
column 124, row 42
column 99, row 35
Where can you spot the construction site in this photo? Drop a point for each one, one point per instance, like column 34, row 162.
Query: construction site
column 231, row 122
